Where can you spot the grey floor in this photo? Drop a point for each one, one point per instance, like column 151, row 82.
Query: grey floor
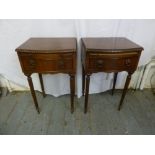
column 18, row 115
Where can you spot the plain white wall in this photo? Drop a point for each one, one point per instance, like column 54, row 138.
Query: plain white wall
column 15, row 32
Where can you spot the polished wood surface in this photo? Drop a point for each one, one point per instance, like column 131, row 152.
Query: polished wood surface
column 108, row 55
column 45, row 45
column 112, row 62
column 111, row 44
column 48, row 55
column 48, row 62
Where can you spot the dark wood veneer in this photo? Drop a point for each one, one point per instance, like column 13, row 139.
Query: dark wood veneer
column 108, row 55
column 48, row 55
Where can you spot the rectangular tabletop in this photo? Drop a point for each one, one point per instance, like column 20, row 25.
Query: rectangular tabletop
column 48, row 45
column 110, row 44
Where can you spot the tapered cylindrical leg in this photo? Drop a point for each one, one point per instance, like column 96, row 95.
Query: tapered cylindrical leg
column 86, row 93
column 83, row 80
column 114, row 83
column 42, row 84
column 72, row 90
column 125, row 90
column 33, row 93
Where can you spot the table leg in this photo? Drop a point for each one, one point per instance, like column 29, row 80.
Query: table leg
column 114, row 83
column 87, row 93
column 83, row 80
column 42, row 84
column 33, row 93
column 125, row 90
column 72, row 89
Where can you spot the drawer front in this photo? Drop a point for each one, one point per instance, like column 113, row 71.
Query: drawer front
column 47, row 63
column 112, row 62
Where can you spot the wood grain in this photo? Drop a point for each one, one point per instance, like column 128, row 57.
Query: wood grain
column 108, row 55
column 48, row 55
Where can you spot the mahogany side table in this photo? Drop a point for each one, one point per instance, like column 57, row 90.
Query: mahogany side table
column 48, row 55
column 108, row 55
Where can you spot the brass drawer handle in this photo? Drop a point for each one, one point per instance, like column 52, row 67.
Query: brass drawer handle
column 100, row 63
column 128, row 62
column 61, row 64
column 32, row 62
